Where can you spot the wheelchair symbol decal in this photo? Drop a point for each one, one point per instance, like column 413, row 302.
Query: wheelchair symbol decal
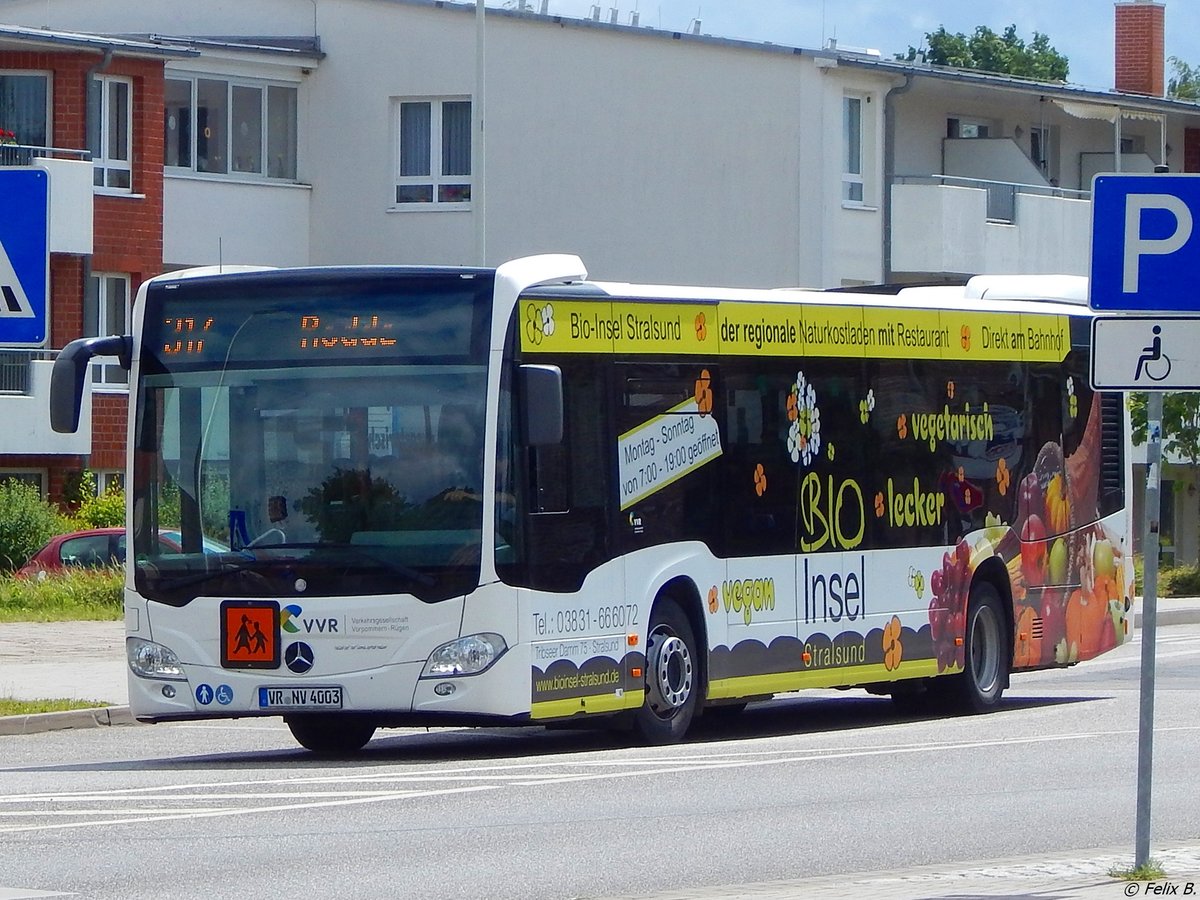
column 1155, row 364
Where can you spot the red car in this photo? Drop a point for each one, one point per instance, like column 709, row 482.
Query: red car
column 93, row 549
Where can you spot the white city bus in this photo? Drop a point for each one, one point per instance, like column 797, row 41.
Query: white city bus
column 513, row 495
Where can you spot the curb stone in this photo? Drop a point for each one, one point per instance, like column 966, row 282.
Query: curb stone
column 1165, row 615
column 35, row 723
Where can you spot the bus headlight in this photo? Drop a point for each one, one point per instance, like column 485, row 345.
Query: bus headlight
column 468, row 655
column 150, row 660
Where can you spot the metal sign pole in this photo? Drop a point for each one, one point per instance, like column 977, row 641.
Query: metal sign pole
column 1154, row 408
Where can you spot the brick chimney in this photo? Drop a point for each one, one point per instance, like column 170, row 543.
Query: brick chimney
column 1139, row 47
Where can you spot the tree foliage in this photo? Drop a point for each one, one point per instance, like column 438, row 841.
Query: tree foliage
column 986, row 51
column 1184, row 83
column 1180, row 423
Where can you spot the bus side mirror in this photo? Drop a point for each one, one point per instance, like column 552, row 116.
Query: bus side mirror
column 542, row 405
column 70, row 370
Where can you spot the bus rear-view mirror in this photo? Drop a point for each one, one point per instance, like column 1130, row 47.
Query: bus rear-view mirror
column 542, row 406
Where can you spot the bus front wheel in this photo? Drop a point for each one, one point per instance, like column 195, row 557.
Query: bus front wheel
column 330, row 734
column 672, row 677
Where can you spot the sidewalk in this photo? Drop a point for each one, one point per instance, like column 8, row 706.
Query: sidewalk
column 1060, row 876
column 64, row 660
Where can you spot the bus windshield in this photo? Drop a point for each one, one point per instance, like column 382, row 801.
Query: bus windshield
column 329, row 442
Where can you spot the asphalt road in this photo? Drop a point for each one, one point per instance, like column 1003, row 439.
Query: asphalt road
column 806, row 785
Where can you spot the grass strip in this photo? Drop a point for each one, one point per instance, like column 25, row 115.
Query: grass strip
column 10, row 706
column 70, row 596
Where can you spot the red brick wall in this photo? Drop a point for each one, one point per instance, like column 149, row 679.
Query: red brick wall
column 108, row 431
column 1191, row 149
column 1140, row 29
column 127, row 237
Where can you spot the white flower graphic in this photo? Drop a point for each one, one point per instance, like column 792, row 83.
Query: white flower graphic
column 804, row 434
column 539, row 322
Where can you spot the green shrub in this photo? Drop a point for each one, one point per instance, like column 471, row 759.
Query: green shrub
column 1181, row 581
column 76, row 594
column 105, row 510
column 26, row 523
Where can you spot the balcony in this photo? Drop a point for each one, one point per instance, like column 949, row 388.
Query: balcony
column 25, row 407
column 70, row 192
column 954, row 224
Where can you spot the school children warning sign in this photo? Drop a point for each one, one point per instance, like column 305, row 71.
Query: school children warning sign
column 250, row 634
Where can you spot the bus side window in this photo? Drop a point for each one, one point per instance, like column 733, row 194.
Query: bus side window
column 549, row 477
column 567, row 526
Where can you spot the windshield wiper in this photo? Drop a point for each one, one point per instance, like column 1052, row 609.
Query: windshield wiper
column 251, row 562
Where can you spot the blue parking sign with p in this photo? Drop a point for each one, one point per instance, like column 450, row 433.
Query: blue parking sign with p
column 1145, row 243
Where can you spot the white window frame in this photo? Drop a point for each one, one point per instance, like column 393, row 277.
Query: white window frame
column 106, row 478
column 107, row 376
column 263, row 86
column 111, row 168
column 854, row 188
column 438, row 183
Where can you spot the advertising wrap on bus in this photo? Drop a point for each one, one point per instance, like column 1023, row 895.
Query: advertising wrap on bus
column 517, row 496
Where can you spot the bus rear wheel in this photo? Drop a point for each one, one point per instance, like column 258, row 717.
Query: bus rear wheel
column 979, row 686
column 330, row 734
column 672, row 677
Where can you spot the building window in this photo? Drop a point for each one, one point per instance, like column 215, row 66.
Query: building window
column 221, row 127
column 852, row 142
column 433, row 151
column 108, row 480
column 106, row 312
column 968, row 129
column 25, row 109
column 110, row 131
column 35, row 478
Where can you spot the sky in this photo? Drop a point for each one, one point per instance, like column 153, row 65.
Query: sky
column 1081, row 30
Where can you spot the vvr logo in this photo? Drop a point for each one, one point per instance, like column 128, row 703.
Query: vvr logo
column 292, row 620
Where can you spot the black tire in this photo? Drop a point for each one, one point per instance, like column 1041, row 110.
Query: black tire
column 987, row 656
column 672, row 677
column 330, row 734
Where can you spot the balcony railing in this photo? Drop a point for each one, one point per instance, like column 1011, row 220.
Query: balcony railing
column 1001, row 195
column 25, row 154
column 16, row 368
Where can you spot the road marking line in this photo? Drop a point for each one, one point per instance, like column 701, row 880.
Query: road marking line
column 665, row 766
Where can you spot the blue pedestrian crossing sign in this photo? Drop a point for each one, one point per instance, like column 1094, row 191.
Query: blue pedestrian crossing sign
column 24, row 256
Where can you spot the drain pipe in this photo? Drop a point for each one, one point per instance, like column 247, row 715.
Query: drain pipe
column 889, row 169
column 89, row 122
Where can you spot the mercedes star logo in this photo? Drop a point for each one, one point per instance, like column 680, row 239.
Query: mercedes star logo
column 299, row 657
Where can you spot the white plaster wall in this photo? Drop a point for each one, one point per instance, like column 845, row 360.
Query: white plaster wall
column 936, row 228
column 993, row 159
column 27, row 418
column 1001, row 248
column 855, row 253
column 209, row 221
column 71, row 206
column 654, row 159
column 1055, row 235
